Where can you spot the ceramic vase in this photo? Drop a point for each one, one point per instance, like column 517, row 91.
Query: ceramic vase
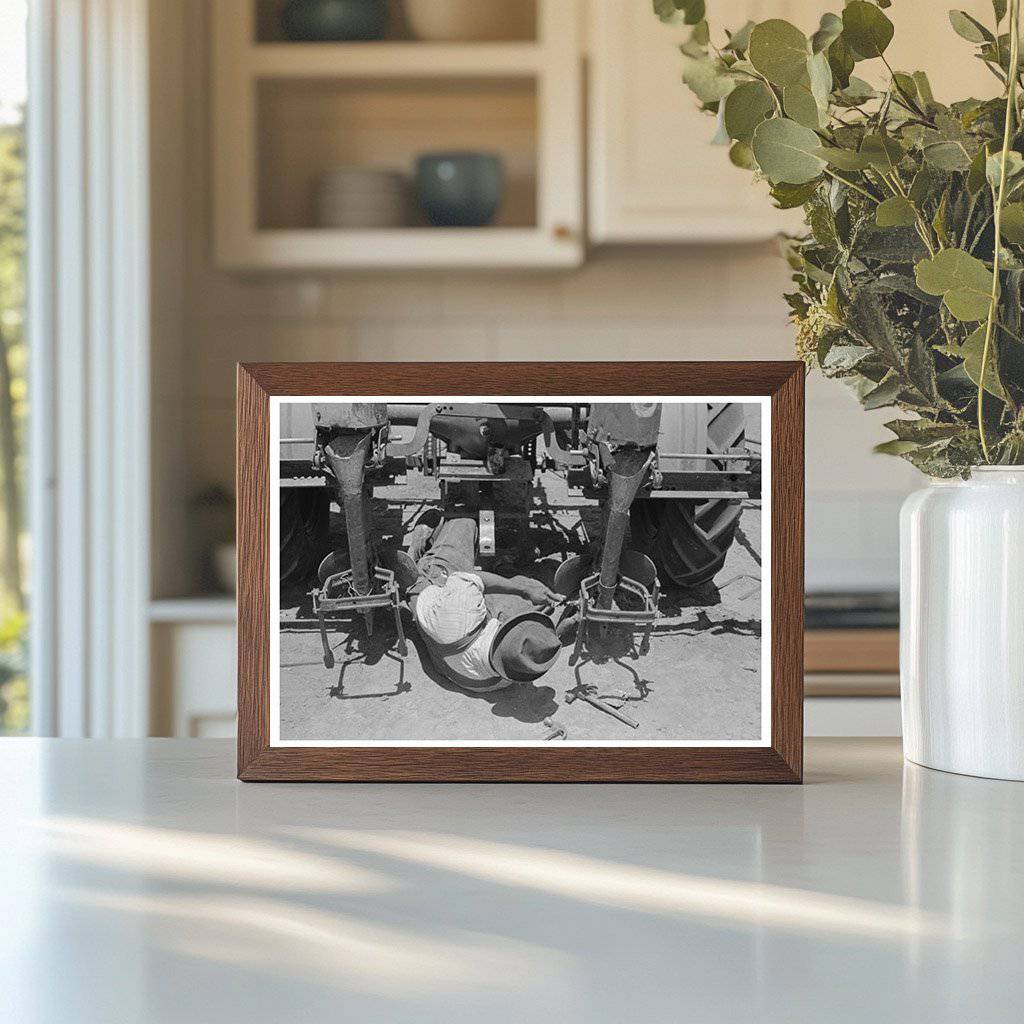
column 962, row 624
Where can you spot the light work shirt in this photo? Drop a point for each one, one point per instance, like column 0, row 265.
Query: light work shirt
column 450, row 613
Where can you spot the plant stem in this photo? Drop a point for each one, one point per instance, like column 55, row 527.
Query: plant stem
column 853, row 185
column 910, row 102
column 980, row 232
column 923, row 231
column 1011, row 108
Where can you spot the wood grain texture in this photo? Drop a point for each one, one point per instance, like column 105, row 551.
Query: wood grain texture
column 252, row 482
column 780, row 762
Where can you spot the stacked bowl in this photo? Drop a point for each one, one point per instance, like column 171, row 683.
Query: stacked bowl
column 362, row 197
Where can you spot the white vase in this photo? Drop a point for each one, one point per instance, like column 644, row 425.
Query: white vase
column 962, row 624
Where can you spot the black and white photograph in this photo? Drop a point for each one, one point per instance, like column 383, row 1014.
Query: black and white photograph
column 494, row 571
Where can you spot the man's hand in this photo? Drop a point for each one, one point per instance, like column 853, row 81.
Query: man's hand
column 522, row 586
column 537, row 594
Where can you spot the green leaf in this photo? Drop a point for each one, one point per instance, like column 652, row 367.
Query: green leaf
column 829, row 30
column 922, row 430
column 969, row 28
column 690, row 12
column 844, row 159
column 866, row 29
column 707, row 78
column 993, row 167
column 819, row 74
column 924, row 87
column 922, row 185
column 745, row 108
column 788, row 196
column 939, row 220
column 947, row 156
column 841, row 62
column 963, row 281
column 895, row 447
column 779, row 51
column 868, row 319
column 905, row 84
column 666, row 10
column 787, row 151
column 701, row 34
column 921, row 370
column 882, row 151
column 895, row 212
column 739, row 41
column 801, row 106
column 1012, row 224
column 857, row 91
column 840, row 359
column 693, row 10
column 885, row 394
column 890, row 245
column 971, row 351
column 741, row 155
column 999, row 9
column 976, row 174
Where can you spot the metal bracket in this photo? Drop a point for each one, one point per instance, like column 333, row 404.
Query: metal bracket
column 338, row 597
column 487, row 543
column 642, row 619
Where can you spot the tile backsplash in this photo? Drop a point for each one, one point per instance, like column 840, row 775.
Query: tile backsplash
column 707, row 303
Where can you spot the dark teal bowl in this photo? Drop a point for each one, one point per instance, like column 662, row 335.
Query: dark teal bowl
column 334, row 21
column 460, row 190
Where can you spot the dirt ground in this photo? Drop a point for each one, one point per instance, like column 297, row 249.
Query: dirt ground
column 701, row 679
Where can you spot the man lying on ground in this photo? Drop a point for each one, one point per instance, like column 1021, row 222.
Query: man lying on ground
column 483, row 631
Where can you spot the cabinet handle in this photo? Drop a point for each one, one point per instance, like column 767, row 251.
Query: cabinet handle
column 562, row 232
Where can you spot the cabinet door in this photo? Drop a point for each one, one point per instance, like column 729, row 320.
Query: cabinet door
column 654, row 177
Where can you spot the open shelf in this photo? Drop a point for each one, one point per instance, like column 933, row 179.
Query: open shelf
column 392, row 60
column 308, row 127
column 406, row 248
column 287, row 114
column 520, row 23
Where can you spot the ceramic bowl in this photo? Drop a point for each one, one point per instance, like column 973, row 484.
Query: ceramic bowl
column 470, row 20
column 460, row 189
column 332, row 21
column 359, row 197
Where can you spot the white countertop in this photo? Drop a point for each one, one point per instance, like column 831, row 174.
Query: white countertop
column 140, row 882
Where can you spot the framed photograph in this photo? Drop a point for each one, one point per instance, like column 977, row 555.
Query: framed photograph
column 520, row 571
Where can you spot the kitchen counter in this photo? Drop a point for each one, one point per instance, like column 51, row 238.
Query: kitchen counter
column 140, row 882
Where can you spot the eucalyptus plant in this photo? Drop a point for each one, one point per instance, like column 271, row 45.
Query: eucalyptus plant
column 910, row 277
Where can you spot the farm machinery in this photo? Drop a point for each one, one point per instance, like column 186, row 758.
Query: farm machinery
column 672, row 476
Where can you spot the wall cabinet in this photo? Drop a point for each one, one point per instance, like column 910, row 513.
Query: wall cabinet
column 286, row 114
column 653, row 175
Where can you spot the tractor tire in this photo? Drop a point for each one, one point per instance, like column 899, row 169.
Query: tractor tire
column 689, row 539
column 303, row 525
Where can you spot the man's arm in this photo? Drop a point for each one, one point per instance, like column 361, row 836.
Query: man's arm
column 522, row 586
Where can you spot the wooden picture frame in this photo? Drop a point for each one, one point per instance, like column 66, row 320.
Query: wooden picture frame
column 779, row 759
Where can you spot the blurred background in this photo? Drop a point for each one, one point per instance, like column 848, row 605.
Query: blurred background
column 361, row 180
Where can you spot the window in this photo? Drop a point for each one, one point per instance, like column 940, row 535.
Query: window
column 14, row 695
